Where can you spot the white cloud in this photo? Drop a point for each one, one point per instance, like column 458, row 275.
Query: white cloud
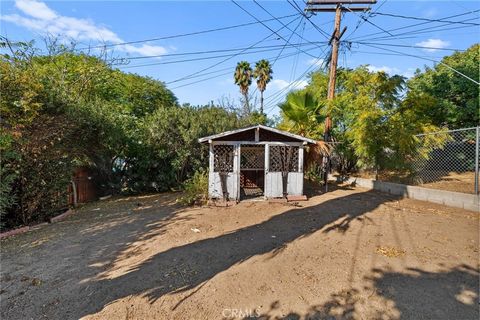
column 36, row 9
column 40, row 18
column 316, row 61
column 433, row 44
column 146, row 50
column 280, row 84
column 389, row 70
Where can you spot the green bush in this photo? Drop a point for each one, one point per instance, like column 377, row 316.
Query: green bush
column 195, row 189
column 7, row 176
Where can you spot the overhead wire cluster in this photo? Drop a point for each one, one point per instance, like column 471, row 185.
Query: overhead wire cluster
column 295, row 44
column 388, row 32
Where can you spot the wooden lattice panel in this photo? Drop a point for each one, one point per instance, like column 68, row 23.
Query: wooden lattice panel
column 222, row 158
column 283, row 159
column 252, row 157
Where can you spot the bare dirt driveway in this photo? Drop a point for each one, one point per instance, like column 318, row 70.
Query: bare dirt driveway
column 348, row 254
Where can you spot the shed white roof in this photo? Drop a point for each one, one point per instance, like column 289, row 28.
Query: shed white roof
column 259, row 126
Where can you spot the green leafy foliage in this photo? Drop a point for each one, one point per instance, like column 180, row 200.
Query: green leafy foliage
column 302, row 113
column 263, row 73
column 243, row 78
column 456, row 98
column 8, row 174
column 195, row 189
column 64, row 110
column 374, row 122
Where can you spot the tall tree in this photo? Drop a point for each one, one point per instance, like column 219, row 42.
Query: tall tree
column 374, row 123
column 243, row 78
column 263, row 73
column 456, row 97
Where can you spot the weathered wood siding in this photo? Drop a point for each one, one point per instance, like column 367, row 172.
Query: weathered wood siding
column 215, row 186
column 273, row 187
column 233, row 178
column 274, row 184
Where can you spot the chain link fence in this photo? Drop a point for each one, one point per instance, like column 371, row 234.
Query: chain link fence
column 451, row 165
column 445, row 160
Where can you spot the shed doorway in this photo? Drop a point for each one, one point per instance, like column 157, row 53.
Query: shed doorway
column 252, row 171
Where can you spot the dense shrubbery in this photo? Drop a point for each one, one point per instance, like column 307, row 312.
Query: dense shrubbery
column 195, row 189
column 64, row 110
column 376, row 116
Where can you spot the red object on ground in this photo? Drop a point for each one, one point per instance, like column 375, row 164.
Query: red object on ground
column 86, row 190
column 14, row 232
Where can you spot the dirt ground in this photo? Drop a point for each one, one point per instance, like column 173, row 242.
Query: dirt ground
column 453, row 181
column 348, row 254
column 463, row 182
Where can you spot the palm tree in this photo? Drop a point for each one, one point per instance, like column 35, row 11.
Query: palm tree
column 263, row 73
column 302, row 114
column 243, row 78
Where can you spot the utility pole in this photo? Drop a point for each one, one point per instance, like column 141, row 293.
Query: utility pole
column 338, row 7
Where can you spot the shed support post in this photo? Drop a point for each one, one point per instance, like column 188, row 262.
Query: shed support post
column 211, row 176
column 266, row 188
column 300, row 165
column 300, row 158
column 210, row 158
column 236, row 171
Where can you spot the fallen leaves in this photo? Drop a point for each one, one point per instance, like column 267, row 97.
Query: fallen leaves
column 390, row 252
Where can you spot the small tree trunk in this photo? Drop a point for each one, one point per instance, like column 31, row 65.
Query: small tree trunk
column 261, row 102
column 247, row 104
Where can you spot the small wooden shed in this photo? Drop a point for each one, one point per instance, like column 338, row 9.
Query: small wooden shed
column 256, row 161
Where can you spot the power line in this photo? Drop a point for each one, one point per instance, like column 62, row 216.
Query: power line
column 266, row 26
column 271, row 48
column 420, row 31
column 216, row 51
column 407, row 46
column 286, row 43
column 295, row 61
column 294, row 31
column 229, row 72
column 361, row 21
column 184, row 34
column 424, row 19
column 234, row 55
column 385, row 54
column 274, row 97
column 416, row 24
column 323, row 33
column 453, row 69
column 424, row 58
column 196, row 59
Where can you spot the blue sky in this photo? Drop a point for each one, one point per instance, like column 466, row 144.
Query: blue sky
column 91, row 23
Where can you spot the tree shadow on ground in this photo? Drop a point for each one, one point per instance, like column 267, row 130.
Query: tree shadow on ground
column 446, row 294
column 62, row 255
column 416, row 294
column 188, row 266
